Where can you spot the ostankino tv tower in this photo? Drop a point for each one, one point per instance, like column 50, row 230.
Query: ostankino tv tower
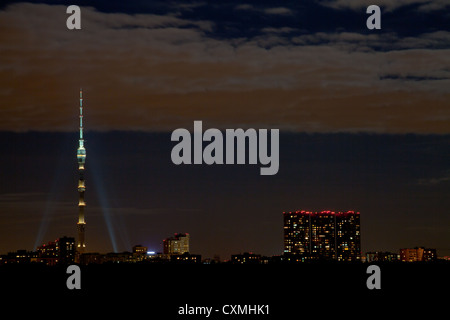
column 81, row 156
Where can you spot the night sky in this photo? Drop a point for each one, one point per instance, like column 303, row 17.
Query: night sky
column 364, row 119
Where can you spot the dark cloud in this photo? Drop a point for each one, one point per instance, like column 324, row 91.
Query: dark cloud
column 444, row 178
column 421, row 5
column 157, row 72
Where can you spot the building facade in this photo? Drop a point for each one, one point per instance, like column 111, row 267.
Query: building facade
column 325, row 235
column 418, row 254
column 19, row 257
column 139, row 249
column 60, row 251
column 178, row 244
column 348, row 236
column 380, row 256
column 246, row 258
column 186, row 258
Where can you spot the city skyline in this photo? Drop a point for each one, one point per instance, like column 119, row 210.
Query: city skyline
column 343, row 226
column 64, row 250
column 120, row 217
column 363, row 119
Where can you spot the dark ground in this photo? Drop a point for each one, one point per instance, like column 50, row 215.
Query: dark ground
column 291, row 291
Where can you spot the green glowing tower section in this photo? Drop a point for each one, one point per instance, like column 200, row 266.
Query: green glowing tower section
column 81, row 157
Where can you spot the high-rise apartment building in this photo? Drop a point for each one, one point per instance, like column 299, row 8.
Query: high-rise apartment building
column 61, row 251
column 65, row 248
column 325, row 235
column 348, row 236
column 178, row 244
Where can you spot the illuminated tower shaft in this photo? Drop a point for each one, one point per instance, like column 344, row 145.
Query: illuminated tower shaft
column 81, row 157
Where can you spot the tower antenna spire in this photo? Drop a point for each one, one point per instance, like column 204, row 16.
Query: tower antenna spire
column 81, row 157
